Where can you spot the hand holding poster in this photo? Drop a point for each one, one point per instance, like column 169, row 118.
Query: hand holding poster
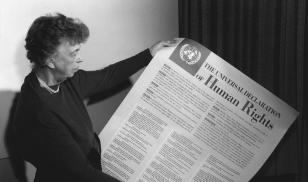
column 191, row 116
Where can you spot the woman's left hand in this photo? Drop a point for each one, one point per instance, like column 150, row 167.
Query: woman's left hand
column 162, row 44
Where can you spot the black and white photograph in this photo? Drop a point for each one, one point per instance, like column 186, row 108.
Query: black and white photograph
column 153, row 91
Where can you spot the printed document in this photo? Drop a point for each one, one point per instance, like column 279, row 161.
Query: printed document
column 192, row 117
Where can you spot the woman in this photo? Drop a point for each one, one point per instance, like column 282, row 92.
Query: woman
column 52, row 126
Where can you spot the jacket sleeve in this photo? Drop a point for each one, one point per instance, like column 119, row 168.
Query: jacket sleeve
column 91, row 82
column 57, row 152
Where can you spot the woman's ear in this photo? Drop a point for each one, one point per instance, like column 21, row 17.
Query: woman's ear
column 50, row 63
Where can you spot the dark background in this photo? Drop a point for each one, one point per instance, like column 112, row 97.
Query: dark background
column 268, row 41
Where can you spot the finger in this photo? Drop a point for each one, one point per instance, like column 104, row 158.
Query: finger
column 164, row 43
column 173, row 41
column 169, row 43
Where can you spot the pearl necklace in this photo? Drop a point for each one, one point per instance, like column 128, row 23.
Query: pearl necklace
column 44, row 85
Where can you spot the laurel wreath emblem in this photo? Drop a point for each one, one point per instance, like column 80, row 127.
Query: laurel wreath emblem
column 190, row 54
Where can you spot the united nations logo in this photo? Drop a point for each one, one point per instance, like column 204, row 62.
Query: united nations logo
column 190, row 54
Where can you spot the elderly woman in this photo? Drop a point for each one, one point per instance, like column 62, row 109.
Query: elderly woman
column 52, row 125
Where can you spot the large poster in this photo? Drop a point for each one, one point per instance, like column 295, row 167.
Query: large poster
column 191, row 116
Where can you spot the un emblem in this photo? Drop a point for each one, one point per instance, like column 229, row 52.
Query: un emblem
column 190, row 54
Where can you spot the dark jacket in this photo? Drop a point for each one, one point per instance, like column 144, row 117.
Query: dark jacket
column 54, row 131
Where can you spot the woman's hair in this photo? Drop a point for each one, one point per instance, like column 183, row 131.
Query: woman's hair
column 47, row 32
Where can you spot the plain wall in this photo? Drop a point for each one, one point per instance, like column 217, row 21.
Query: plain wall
column 118, row 29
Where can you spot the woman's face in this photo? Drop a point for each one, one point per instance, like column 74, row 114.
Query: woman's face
column 66, row 60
